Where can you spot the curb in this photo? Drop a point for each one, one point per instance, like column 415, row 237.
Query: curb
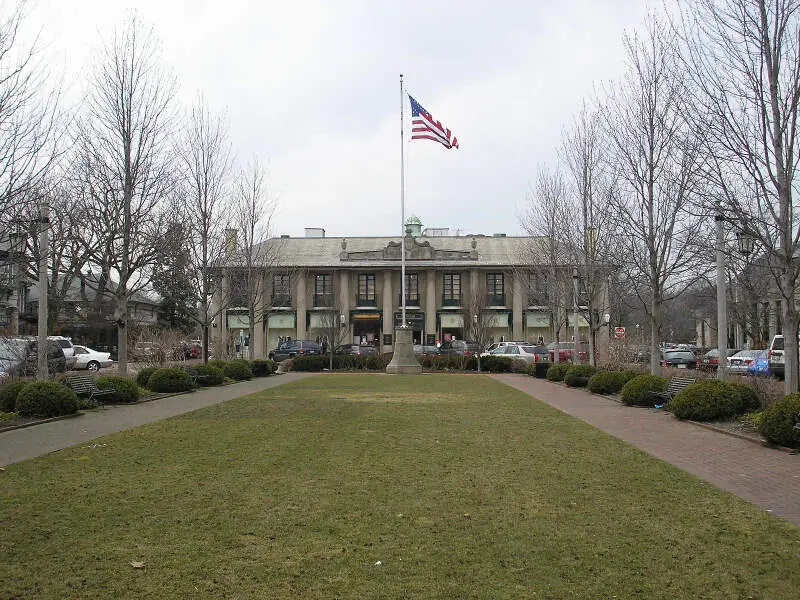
column 39, row 422
column 82, row 412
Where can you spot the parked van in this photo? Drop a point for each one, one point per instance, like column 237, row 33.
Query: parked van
column 775, row 356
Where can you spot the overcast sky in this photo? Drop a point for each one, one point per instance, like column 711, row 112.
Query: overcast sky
column 312, row 88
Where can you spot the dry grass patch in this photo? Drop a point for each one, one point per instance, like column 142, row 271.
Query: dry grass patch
column 294, row 493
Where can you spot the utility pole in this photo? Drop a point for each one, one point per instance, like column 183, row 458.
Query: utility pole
column 44, row 224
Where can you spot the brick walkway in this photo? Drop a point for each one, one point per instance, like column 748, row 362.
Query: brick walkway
column 767, row 477
column 21, row 444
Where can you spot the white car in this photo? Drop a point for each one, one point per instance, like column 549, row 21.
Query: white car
column 91, row 360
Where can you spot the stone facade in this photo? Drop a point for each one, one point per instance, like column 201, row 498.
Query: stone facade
column 356, row 282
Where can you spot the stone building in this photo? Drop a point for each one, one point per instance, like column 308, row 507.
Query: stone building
column 355, row 281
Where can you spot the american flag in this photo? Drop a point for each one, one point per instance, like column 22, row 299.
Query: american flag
column 424, row 127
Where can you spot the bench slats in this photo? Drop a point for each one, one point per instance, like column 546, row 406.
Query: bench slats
column 676, row 385
column 84, row 385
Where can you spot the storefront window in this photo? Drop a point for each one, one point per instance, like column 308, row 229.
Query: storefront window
column 451, row 295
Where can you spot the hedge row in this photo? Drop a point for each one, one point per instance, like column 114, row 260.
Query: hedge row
column 213, row 373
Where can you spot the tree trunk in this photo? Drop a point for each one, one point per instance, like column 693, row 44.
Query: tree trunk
column 122, row 335
column 790, row 338
column 655, row 326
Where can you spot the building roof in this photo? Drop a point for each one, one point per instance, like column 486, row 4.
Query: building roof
column 357, row 252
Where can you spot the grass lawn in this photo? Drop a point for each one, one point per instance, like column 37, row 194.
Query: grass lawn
column 369, row 486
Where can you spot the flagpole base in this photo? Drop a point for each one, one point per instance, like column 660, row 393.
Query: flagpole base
column 404, row 361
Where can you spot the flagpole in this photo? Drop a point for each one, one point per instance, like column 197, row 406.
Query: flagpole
column 402, row 212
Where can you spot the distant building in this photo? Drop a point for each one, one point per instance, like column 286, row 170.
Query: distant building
column 358, row 279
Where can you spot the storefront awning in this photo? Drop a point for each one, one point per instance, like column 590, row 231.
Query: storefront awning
column 496, row 319
column 451, row 320
column 282, row 321
column 537, row 318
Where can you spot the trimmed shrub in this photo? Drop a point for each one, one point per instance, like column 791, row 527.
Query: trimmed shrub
column 578, row 375
column 607, row 382
column 170, row 380
column 557, row 371
column 219, row 364
column 311, row 362
column 262, row 368
column 713, row 399
column 9, row 393
column 496, row 364
column 238, row 370
column 211, row 375
column 46, row 399
column 779, row 419
column 374, row 362
column 125, row 390
column 637, row 391
column 143, row 376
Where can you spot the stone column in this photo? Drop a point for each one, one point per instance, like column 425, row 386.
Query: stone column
column 302, row 306
column 344, row 304
column 388, row 308
column 516, row 307
column 430, row 304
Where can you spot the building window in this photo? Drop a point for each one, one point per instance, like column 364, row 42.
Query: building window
column 281, row 290
column 451, row 289
column 366, row 290
column 495, row 289
column 323, row 290
column 537, row 290
column 412, row 290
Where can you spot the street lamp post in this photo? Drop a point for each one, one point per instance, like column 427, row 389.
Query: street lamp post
column 44, row 223
column 575, row 332
column 722, row 308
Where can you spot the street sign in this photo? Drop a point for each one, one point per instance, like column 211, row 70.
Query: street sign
column 619, row 333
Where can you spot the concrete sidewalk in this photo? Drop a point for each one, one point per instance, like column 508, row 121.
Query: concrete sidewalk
column 767, row 477
column 21, row 444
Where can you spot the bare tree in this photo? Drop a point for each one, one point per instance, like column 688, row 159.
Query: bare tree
column 656, row 161
column 334, row 329
column 30, row 121
column 125, row 141
column 204, row 160
column 477, row 320
column 544, row 260
column 745, row 59
column 588, row 235
column 253, row 212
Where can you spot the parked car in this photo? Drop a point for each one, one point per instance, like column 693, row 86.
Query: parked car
column 741, row 361
column 504, row 343
column 642, row 354
column 67, row 347
column 760, row 366
column 681, row 359
column 538, row 355
column 19, row 357
column 355, row 349
column 459, row 347
column 775, row 356
column 566, row 350
column 91, row 360
column 424, row 350
column 293, row 348
column 710, row 360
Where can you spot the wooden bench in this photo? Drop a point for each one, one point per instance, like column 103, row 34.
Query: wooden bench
column 676, row 385
column 84, row 385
